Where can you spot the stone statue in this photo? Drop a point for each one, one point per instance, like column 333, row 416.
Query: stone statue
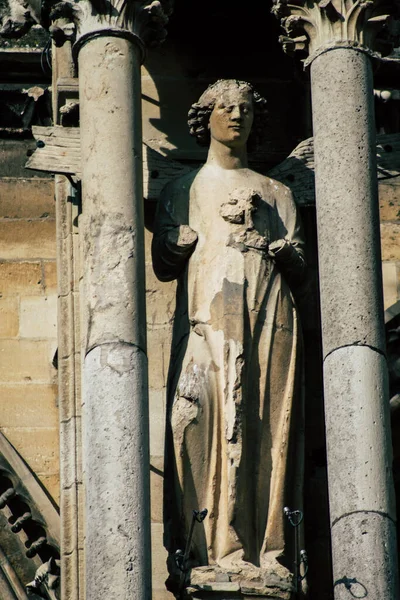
column 232, row 238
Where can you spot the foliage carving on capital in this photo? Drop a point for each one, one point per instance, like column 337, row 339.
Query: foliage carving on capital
column 71, row 19
column 311, row 25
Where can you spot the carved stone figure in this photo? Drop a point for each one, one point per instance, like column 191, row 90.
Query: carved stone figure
column 47, row 580
column 233, row 240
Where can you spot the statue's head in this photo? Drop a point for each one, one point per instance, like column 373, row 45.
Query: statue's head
column 228, row 111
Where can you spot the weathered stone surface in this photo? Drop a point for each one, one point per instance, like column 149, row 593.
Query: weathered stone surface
column 109, row 76
column 359, row 454
column 156, row 486
column 390, row 236
column 9, row 317
column 69, row 508
column 50, row 276
column 66, row 326
column 69, row 574
column 26, row 198
column 65, row 265
column 33, row 405
column 68, row 448
column 26, row 361
column 160, row 300
column 159, row 560
column 38, row 445
column 159, row 340
column 371, row 536
column 112, row 305
column 347, row 202
column 38, row 317
column 64, row 206
column 28, row 498
column 216, row 231
column 116, row 471
column 390, row 283
column 389, row 199
column 66, row 382
column 334, row 23
column 20, row 278
column 157, row 421
column 27, row 239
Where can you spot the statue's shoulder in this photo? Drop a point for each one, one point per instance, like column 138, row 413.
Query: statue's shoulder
column 276, row 185
column 181, row 185
column 280, row 192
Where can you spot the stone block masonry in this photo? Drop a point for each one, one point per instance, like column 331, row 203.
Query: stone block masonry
column 389, row 207
column 28, row 323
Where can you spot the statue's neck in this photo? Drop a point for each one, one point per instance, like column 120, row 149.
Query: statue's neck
column 225, row 157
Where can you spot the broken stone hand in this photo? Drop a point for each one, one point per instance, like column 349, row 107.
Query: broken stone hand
column 280, row 249
column 253, row 240
column 290, row 261
column 182, row 239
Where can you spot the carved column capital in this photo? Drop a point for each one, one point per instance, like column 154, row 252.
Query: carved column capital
column 313, row 26
column 144, row 20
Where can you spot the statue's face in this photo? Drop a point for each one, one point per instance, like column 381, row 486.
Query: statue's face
column 232, row 117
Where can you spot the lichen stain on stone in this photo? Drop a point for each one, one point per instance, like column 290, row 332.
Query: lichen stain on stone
column 226, row 310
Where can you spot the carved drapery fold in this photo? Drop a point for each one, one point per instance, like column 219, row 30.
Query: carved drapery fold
column 313, row 25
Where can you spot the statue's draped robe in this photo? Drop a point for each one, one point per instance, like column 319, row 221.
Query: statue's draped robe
column 235, row 416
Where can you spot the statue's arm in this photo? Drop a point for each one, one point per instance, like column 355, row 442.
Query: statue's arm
column 173, row 240
column 288, row 251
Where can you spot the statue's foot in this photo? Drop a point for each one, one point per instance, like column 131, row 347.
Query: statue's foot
column 233, row 568
column 241, row 579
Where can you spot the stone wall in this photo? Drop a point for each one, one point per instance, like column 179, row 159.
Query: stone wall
column 28, row 315
column 389, row 200
column 160, row 312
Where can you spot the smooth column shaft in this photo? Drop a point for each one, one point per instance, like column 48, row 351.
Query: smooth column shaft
column 362, row 509
column 347, row 200
column 355, row 371
column 115, row 391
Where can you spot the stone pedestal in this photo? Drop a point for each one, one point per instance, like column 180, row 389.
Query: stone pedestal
column 233, row 591
column 210, row 583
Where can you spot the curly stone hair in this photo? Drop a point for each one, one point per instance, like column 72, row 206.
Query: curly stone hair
column 200, row 112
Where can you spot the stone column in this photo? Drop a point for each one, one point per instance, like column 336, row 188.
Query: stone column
column 115, row 403
column 109, row 49
column 362, row 508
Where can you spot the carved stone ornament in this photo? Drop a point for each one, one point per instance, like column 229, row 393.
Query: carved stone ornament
column 146, row 19
column 46, row 581
column 71, row 20
column 313, row 25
